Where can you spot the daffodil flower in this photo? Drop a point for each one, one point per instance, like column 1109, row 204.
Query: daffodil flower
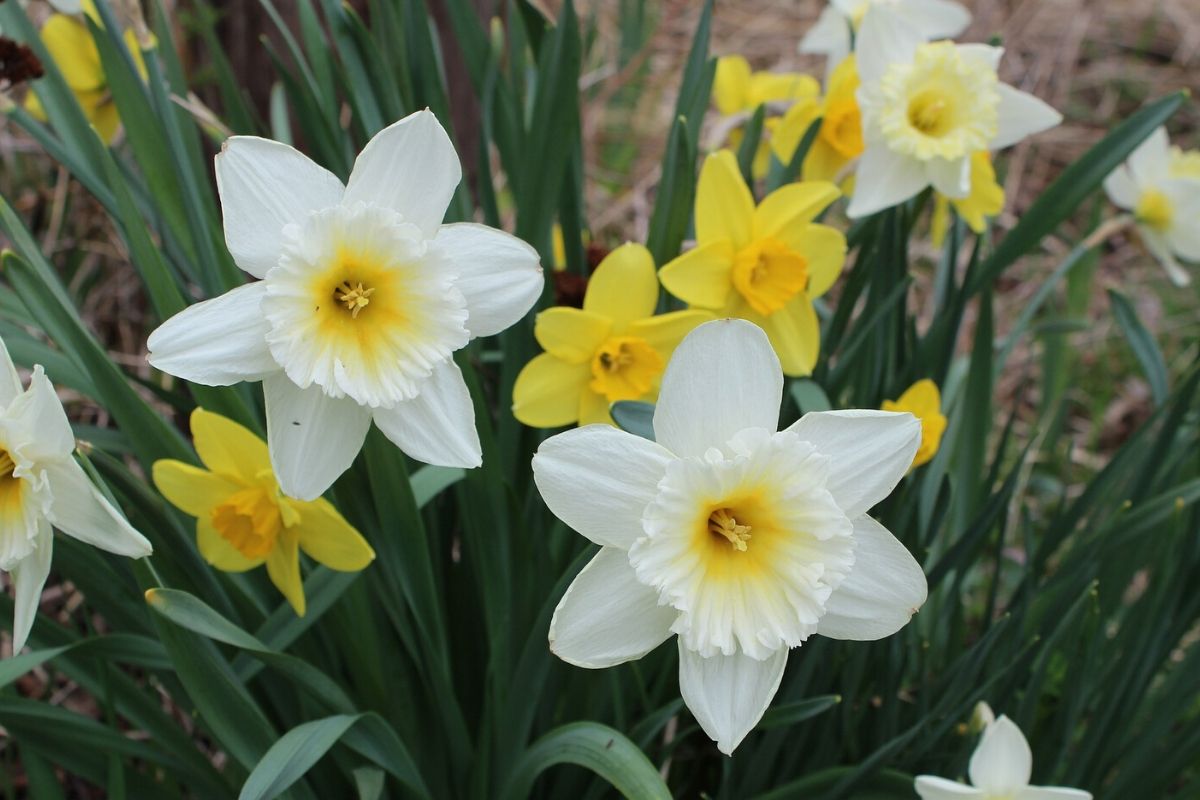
column 364, row 297
column 765, row 264
column 840, row 138
column 923, row 401
column 42, row 487
column 927, row 108
column 739, row 539
column 739, row 90
column 985, row 199
column 830, row 36
column 612, row 349
column 1160, row 184
column 1000, row 769
column 242, row 518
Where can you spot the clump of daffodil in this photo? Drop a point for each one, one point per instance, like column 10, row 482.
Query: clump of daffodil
column 765, row 264
column 738, row 539
column 927, row 108
column 840, row 138
column 984, row 199
column 70, row 44
column 612, row 349
column 739, row 90
column 831, row 35
column 1160, row 184
column 244, row 521
column 923, row 401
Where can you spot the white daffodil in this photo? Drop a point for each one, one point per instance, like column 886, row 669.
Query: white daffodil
column 831, row 34
column 1160, row 184
column 1000, row 769
column 927, row 107
column 364, row 297
column 42, row 486
column 741, row 539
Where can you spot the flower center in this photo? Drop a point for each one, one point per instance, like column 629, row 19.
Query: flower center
column 1154, row 210
column 723, row 523
column 355, row 297
column 842, row 128
column 625, row 368
column 929, row 113
column 11, row 487
column 768, row 274
column 250, row 520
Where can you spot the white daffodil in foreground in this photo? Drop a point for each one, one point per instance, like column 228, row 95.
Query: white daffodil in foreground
column 1000, row 769
column 364, row 297
column 43, row 487
column 1160, row 184
column 740, row 539
column 927, row 107
column 830, row 36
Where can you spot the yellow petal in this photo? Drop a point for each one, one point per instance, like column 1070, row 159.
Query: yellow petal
column 795, row 334
column 71, row 46
column 135, row 49
column 701, row 277
column 731, row 84
column 666, row 331
column 228, row 448
column 283, row 567
column 792, row 207
column 769, row 87
column 547, row 391
column 217, row 550
column 724, row 205
column 922, row 399
column 824, row 248
column 823, row 163
column 593, row 410
column 192, row 490
column 624, row 287
column 932, row 428
column 329, row 539
column 34, row 106
column 791, row 129
column 939, row 222
column 570, row 333
column 104, row 118
column 986, row 198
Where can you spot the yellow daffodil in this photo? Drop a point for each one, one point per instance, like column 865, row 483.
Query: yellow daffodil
column 70, row 44
column 923, row 401
column 737, row 90
column 985, row 199
column 612, row 349
column 764, row 264
column 840, row 139
column 242, row 518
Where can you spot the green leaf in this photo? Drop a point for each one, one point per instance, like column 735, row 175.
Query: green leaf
column 115, row 647
column 809, row 395
column 592, row 746
column 1145, row 349
column 634, row 416
column 293, row 755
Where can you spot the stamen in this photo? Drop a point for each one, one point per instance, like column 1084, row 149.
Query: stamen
column 354, row 295
column 722, row 523
column 7, row 465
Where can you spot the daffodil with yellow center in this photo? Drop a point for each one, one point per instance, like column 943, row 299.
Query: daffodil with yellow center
column 765, row 264
column 830, row 36
column 243, row 520
column 612, row 349
column 840, row 138
column 739, row 90
column 923, row 401
column 986, row 199
column 70, row 44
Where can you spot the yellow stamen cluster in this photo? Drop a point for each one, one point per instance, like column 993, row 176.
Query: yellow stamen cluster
column 354, row 295
column 1154, row 210
column 722, row 523
column 249, row 520
column 768, row 274
column 625, row 368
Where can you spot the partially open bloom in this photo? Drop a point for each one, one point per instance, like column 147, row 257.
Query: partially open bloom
column 244, row 521
column 1160, row 184
column 839, row 140
column 364, row 298
column 764, row 264
column 43, row 487
column 739, row 539
column 923, row 401
column 1000, row 769
column 612, row 349
column 985, row 199
column 927, row 108
column 737, row 89
column 831, row 35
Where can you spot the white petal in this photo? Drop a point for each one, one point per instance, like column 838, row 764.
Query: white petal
column 216, row 342
column 870, row 451
column 1184, row 235
column 39, row 422
column 1021, row 115
column 10, row 381
column 599, row 480
column 68, row 6
column 1161, row 250
column 986, row 53
column 81, row 512
column 498, row 274
column 438, row 425
column 1052, row 793
column 884, row 589
column 936, row 19
column 265, row 185
column 607, row 616
column 951, row 178
column 1002, row 761
column 729, row 694
column 1151, row 160
column 723, row 378
column 28, row 578
column 830, row 34
column 1121, row 188
column 409, row 166
column 884, row 38
column 313, row 438
column 884, row 179
column 932, row 788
